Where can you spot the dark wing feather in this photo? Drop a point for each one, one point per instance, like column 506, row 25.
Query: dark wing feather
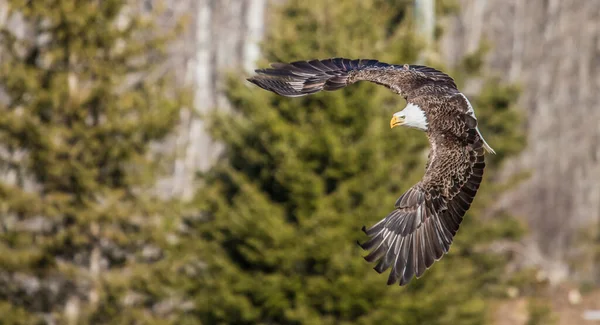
column 302, row 78
column 427, row 216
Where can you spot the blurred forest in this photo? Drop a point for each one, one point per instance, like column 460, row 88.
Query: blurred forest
column 142, row 181
column 552, row 50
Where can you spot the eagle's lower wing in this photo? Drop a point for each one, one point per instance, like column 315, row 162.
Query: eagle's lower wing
column 421, row 228
column 307, row 77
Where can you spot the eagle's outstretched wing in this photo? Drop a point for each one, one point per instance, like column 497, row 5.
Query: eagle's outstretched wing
column 422, row 227
column 307, row 77
column 427, row 216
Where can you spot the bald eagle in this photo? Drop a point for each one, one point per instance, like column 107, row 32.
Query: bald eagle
column 420, row 230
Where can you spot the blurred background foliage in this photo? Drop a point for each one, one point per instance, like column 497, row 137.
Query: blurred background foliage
column 300, row 177
column 81, row 108
column 92, row 107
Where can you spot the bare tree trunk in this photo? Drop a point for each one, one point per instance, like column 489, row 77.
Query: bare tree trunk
column 425, row 20
column 227, row 33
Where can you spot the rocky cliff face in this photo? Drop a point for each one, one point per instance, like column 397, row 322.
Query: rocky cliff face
column 552, row 49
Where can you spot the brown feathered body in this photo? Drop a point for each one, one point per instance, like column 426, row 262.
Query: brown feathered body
column 425, row 220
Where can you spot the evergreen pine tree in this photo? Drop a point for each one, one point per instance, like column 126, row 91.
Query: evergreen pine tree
column 81, row 105
column 300, row 177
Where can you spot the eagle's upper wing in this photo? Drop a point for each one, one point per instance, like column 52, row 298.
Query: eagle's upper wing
column 421, row 228
column 306, row 77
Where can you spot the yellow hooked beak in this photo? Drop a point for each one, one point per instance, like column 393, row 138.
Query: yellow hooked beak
column 396, row 121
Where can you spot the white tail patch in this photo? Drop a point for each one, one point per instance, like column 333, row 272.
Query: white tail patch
column 471, row 111
column 486, row 146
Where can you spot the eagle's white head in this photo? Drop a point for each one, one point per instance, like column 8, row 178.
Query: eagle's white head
column 412, row 116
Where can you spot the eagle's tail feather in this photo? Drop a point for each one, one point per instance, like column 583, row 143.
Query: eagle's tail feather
column 486, row 146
